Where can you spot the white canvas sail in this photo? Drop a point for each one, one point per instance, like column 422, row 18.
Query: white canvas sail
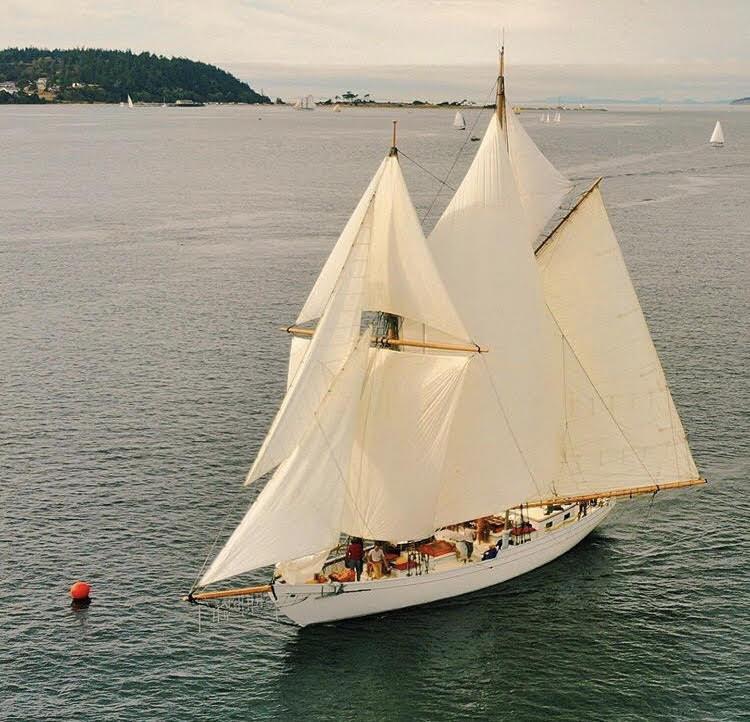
column 299, row 510
column 622, row 429
column 309, row 103
column 336, row 333
column 458, row 121
column 386, row 267
column 541, row 187
column 130, row 102
column 505, row 443
column 337, row 108
column 557, row 117
column 717, row 137
column 406, row 413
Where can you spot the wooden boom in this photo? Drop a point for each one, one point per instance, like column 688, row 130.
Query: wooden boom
column 615, row 493
column 224, row 593
column 299, row 331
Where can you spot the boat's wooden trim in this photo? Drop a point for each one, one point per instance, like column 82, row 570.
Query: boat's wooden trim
column 616, row 493
column 299, row 331
column 583, row 197
column 225, row 593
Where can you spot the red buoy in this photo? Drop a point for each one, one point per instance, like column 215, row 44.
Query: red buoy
column 80, row 591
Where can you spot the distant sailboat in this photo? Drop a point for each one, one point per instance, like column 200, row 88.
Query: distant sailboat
column 337, row 108
column 547, row 118
column 306, row 103
column 717, row 137
column 130, row 102
column 458, row 121
column 557, row 117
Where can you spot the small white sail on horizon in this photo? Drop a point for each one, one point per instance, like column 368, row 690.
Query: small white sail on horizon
column 557, row 117
column 717, row 137
column 459, row 123
column 130, row 101
column 337, row 108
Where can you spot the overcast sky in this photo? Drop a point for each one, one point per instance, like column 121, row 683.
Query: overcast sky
column 606, row 48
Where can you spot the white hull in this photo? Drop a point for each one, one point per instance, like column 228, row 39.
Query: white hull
column 307, row 604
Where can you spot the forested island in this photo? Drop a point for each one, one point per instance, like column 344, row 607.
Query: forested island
column 33, row 75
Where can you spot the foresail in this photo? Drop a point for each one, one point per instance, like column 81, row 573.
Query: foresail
column 402, row 278
column 622, row 430
column 299, row 510
column 541, row 187
column 337, row 331
column 325, row 282
column 406, row 413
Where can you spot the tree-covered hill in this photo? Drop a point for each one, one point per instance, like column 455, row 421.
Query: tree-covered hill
column 110, row 75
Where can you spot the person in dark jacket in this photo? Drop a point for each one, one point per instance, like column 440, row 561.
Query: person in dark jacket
column 354, row 555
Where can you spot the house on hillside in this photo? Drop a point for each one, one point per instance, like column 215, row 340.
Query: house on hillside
column 41, row 85
column 8, row 86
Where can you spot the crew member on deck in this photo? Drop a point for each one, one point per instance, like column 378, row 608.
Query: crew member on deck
column 354, row 553
column 376, row 563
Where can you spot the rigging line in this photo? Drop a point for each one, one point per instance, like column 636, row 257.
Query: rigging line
column 429, row 173
column 213, row 544
column 507, row 423
column 469, row 135
column 604, row 403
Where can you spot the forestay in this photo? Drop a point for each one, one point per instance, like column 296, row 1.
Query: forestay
column 622, row 428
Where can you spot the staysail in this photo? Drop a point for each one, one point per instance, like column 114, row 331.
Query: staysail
column 299, row 510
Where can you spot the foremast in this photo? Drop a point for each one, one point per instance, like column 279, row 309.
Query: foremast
column 500, row 101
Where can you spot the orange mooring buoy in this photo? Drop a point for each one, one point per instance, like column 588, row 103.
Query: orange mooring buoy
column 80, row 591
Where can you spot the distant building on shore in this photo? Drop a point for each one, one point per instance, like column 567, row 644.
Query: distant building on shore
column 8, row 86
column 41, row 85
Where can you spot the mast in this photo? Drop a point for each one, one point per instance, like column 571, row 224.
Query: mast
column 387, row 325
column 500, row 97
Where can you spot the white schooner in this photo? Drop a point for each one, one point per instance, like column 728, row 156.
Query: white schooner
column 463, row 405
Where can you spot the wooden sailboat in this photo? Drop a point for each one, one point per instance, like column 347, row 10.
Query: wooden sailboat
column 717, row 137
column 489, row 397
column 459, row 123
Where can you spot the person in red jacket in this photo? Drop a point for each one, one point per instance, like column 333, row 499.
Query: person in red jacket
column 354, row 554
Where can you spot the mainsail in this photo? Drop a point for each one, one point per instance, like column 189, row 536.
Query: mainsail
column 458, row 121
column 621, row 426
column 393, row 437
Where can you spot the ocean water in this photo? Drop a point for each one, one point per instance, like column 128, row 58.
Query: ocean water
column 147, row 259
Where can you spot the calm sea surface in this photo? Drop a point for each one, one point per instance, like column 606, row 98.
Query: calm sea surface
column 147, row 258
